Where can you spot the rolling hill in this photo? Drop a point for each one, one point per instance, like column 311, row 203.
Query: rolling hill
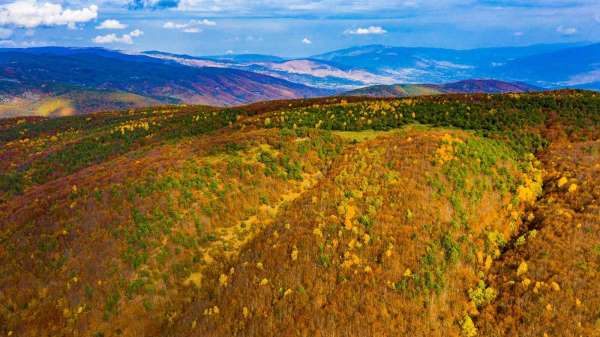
column 447, row 215
column 464, row 87
column 70, row 102
column 56, row 73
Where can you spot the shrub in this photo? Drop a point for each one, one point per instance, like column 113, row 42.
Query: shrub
column 482, row 295
column 468, row 327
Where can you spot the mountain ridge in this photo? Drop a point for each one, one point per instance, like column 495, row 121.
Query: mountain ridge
column 359, row 66
column 487, row 86
column 49, row 72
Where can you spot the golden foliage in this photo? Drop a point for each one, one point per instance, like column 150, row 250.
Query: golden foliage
column 522, row 269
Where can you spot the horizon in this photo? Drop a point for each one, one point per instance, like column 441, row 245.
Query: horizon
column 135, row 52
column 292, row 29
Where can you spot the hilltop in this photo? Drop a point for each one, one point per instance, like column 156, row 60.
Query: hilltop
column 464, row 87
column 458, row 214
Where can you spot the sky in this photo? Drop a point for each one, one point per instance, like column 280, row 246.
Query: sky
column 294, row 28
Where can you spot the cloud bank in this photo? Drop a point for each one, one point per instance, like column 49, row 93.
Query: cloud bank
column 566, row 30
column 192, row 26
column 372, row 30
column 114, row 38
column 32, row 14
column 111, row 24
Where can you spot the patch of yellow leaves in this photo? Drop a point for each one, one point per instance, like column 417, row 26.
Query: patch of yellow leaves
column 194, row 278
column 445, row 152
column 350, row 259
column 349, row 215
column 223, row 280
column 294, row 254
column 562, row 182
column 211, row 311
column 522, row 269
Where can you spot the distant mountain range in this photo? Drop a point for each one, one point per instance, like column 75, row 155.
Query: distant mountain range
column 546, row 66
column 59, row 81
column 465, row 87
column 58, row 76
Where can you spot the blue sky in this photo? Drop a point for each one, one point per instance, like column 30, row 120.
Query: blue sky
column 293, row 27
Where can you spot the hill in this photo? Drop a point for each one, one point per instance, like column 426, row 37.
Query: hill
column 486, row 86
column 395, row 90
column 70, row 102
column 53, row 72
column 460, row 214
column 466, row 86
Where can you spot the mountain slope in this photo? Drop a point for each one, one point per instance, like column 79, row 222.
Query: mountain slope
column 396, row 90
column 70, row 102
column 56, row 71
column 486, row 86
column 434, row 64
column 578, row 66
column 464, row 87
column 555, row 65
column 312, row 72
column 385, row 65
column 292, row 218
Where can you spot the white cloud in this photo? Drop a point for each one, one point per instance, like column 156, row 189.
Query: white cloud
column 111, row 24
column 114, row 38
column 295, row 6
column 22, row 44
column 31, row 14
column 136, row 33
column 372, row 30
column 306, row 41
column 192, row 26
column 566, row 30
column 5, row 33
column 7, row 43
column 518, row 33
